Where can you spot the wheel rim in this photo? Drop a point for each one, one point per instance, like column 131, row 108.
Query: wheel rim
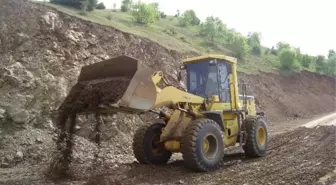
column 210, row 146
column 261, row 136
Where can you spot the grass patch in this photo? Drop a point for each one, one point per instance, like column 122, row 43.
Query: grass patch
column 167, row 33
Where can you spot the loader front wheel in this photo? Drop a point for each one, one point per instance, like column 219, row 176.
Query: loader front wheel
column 147, row 147
column 257, row 137
column 202, row 145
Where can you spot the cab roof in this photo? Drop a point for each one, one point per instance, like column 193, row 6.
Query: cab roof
column 209, row 57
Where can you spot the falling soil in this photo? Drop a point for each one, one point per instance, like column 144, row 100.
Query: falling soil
column 84, row 96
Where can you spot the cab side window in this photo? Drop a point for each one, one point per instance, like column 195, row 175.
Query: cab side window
column 224, row 72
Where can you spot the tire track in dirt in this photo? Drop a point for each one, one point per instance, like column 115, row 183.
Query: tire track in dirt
column 301, row 156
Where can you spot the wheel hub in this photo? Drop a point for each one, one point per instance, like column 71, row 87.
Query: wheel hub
column 261, row 136
column 210, row 146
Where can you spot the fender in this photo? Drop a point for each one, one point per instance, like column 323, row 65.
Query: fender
column 216, row 116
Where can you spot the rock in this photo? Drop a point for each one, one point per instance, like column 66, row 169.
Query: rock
column 19, row 155
column 180, row 182
column 4, row 165
column 18, row 115
column 52, row 20
column 17, row 75
column 2, row 113
column 8, row 158
column 74, row 36
column 39, row 140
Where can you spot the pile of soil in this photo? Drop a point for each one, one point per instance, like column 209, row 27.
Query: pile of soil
column 293, row 96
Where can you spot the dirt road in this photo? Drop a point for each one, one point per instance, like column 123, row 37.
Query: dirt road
column 303, row 155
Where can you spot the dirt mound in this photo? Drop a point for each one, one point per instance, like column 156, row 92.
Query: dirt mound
column 301, row 95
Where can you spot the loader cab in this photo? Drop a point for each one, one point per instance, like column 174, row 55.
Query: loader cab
column 212, row 75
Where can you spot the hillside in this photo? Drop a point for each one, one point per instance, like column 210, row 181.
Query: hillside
column 169, row 34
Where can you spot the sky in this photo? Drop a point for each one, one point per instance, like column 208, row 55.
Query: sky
column 308, row 24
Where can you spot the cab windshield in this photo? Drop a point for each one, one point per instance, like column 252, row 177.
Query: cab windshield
column 202, row 79
column 205, row 79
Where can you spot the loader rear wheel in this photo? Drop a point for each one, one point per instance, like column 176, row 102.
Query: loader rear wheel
column 147, row 147
column 202, row 145
column 257, row 137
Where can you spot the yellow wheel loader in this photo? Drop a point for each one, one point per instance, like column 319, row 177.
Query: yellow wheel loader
column 202, row 120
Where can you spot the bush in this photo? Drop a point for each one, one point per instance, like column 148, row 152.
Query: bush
column 170, row 31
column 163, row 15
column 212, row 29
column 189, row 18
column 239, row 45
column 145, row 13
column 126, row 5
column 84, row 5
column 109, row 17
column 288, row 60
column 307, row 61
column 91, row 5
column 100, row 6
column 256, row 50
column 83, row 13
column 274, row 51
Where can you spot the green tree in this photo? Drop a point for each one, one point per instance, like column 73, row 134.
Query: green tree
column 274, row 51
column 288, row 60
column 307, row 61
column 212, row 29
column 282, row 45
column 320, row 63
column 91, row 5
column 331, row 53
column 114, row 9
column 239, row 45
column 100, row 6
column 254, row 38
column 145, row 13
column 189, row 17
column 163, row 15
column 79, row 4
column 126, row 5
column 177, row 13
column 330, row 66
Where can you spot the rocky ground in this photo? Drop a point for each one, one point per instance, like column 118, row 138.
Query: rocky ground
column 42, row 51
column 301, row 156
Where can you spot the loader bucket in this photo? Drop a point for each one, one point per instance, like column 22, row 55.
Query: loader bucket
column 123, row 81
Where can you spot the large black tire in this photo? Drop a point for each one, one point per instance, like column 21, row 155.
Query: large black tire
column 256, row 137
column 194, row 155
column 147, row 147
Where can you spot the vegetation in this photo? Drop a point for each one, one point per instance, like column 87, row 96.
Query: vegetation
column 145, row 13
column 100, row 6
column 84, row 5
column 189, row 18
column 185, row 32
